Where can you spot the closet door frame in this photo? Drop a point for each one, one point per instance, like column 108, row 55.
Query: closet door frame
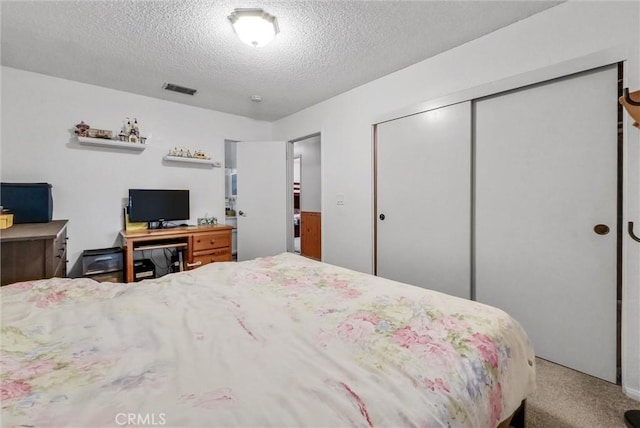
column 617, row 55
column 551, row 72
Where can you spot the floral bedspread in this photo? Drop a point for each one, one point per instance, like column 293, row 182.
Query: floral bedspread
column 277, row 341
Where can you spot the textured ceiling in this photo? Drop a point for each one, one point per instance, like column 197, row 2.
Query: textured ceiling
column 324, row 47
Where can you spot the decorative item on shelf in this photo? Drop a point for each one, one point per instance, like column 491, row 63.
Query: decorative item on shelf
column 82, row 129
column 130, row 132
column 100, row 133
column 186, row 153
column 207, row 221
column 199, row 154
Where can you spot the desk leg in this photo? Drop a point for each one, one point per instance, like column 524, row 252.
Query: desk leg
column 128, row 255
column 180, row 260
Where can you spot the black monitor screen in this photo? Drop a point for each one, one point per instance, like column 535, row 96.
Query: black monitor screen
column 152, row 205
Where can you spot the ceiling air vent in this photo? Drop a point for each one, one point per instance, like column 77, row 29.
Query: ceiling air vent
column 181, row 89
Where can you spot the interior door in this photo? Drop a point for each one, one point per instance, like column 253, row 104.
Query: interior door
column 423, row 197
column 262, row 198
column 546, row 177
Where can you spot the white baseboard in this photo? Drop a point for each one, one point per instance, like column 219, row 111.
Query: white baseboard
column 632, row 393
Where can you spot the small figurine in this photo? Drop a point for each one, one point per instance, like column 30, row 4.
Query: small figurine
column 199, row 154
column 82, row 129
column 125, row 130
column 131, row 132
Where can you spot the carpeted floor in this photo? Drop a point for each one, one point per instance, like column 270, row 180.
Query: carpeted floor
column 566, row 398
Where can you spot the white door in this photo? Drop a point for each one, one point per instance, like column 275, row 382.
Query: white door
column 424, row 199
column 261, row 203
column 546, row 175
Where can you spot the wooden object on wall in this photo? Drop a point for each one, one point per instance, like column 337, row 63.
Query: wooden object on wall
column 631, row 102
column 34, row 251
column 311, row 234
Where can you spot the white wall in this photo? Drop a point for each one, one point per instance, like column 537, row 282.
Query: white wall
column 38, row 117
column 296, row 169
column 570, row 30
column 310, row 176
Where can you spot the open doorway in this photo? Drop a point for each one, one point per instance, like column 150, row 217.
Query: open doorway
column 306, row 201
column 296, row 203
column 231, row 193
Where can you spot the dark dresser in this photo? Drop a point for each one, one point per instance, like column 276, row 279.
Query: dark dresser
column 33, row 251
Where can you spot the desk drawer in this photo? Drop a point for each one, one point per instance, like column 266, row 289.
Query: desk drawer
column 208, row 241
column 221, row 255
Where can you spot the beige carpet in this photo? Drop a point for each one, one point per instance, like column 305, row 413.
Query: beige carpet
column 566, row 398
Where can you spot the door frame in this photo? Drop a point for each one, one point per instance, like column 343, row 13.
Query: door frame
column 290, row 157
column 565, row 68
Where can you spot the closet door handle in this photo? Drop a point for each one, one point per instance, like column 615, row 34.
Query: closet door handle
column 242, row 213
column 382, row 216
column 632, row 234
column 601, row 229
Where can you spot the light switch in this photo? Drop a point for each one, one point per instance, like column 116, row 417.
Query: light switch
column 339, row 199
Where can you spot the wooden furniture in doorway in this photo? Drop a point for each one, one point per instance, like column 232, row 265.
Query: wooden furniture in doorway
column 311, row 234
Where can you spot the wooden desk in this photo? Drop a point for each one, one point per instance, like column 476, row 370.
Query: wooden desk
column 205, row 244
column 33, row 251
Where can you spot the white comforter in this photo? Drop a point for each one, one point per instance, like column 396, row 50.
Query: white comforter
column 277, row 341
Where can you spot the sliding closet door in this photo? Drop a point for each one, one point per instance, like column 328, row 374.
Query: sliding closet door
column 545, row 191
column 423, row 199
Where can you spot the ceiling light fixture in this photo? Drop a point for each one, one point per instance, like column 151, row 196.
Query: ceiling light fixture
column 255, row 27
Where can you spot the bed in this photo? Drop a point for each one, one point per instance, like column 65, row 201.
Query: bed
column 272, row 342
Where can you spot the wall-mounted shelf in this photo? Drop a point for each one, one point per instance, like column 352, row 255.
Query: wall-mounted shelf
column 88, row 141
column 192, row 160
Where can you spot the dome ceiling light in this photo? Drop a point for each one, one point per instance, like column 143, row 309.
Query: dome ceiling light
column 255, row 27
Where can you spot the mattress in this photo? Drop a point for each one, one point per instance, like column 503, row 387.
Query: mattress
column 276, row 341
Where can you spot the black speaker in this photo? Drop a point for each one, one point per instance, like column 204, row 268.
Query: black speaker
column 143, row 269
